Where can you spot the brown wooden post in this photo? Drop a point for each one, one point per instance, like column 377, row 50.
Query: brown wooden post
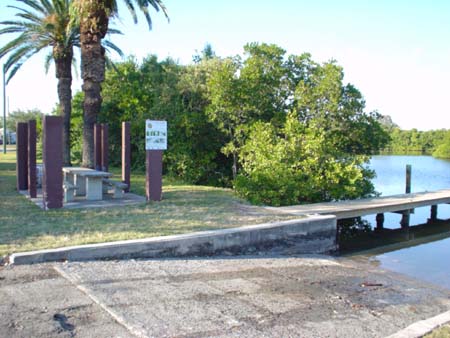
column 32, row 189
column 22, row 155
column 97, row 146
column 408, row 179
column 155, row 143
column 105, row 146
column 433, row 215
column 154, row 175
column 405, row 219
column 380, row 221
column 52, row 156
column 126, row 155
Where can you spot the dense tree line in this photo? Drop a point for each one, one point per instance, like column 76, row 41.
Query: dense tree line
column 280, row 129
column 414, row 142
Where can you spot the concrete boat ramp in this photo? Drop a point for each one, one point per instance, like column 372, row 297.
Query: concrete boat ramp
column 371, row 206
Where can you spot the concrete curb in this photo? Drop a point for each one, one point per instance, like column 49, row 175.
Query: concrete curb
column 423, row 327
column 315, row 234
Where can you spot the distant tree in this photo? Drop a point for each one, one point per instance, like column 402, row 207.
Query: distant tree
column 443, row 149
column 206, row 54
column 22, row 116
column 415, row 141
column 387, row 123
column 324, row 102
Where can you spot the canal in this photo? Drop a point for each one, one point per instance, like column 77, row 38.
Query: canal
column 422, row 251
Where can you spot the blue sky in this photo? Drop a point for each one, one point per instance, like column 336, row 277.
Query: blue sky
column 396, row 52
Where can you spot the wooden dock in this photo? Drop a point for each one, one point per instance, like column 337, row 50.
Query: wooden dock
column 354, row 208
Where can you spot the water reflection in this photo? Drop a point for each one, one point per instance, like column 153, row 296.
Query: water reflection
column 358, row 234
column 430, row 262
column 422, row 249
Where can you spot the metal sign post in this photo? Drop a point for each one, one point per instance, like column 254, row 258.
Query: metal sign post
column 155, row 144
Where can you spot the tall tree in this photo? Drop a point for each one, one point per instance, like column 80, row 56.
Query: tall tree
column 42, row 24
column 94, row 19
column 243, row 92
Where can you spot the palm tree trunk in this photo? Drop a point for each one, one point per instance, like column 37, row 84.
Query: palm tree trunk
column 92, row 30
column 63, row 62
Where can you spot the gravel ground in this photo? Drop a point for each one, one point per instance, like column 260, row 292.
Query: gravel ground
column 245, row 296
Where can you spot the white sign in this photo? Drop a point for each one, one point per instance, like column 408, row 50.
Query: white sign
column 155, row 135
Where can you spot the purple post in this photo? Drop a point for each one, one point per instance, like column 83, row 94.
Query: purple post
column 97, row 146
column 52, row 156
column 153, row 182
column 22, row 155
column 105, row 147
column 126, row 155
column 32, row 158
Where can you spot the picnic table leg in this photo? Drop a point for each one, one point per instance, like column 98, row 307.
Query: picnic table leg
column 69, row 178
column 80, row 183
column 94, row 188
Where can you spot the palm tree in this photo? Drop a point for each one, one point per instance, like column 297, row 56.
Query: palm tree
column 42, row 24
column 94, row 19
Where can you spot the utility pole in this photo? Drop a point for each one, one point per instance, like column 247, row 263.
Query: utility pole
column 4, row 111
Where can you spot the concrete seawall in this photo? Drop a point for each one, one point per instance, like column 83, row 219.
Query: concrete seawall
column 310, row 235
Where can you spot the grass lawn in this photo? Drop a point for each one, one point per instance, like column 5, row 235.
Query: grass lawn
column 442, row 332
column 185, row 208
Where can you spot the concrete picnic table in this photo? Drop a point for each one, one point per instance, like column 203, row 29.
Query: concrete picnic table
column 87, row 181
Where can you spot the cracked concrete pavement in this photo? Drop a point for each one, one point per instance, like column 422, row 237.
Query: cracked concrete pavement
column 236, row 296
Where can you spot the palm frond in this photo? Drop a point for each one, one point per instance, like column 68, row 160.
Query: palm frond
column 114, row 31
column 12, row 45
column 30, row 17
column 144, row 7
column 111, row 65
column 74, row 67
column 12, row 29
column 109, row 45
column 24, row 11
column 47, row 5
column 48, row 61
column 41, row 24
column 33, row 4
column 130, row 7
column 17, row 59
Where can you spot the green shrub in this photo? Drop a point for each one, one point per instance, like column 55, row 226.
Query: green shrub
column 297, row 165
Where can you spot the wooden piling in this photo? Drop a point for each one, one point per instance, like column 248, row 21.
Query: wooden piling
column 22, row 155
column 153, row 182
column 126, row 155
column 433, row 214
column 52, row 157
column 380, row 221
column 105, row 147
column 32, row 188
column 97, row 146
column 405, row 219
column 408, row 179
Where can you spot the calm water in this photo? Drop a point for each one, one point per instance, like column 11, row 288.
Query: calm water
column 427, row 174
column 428, row 261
